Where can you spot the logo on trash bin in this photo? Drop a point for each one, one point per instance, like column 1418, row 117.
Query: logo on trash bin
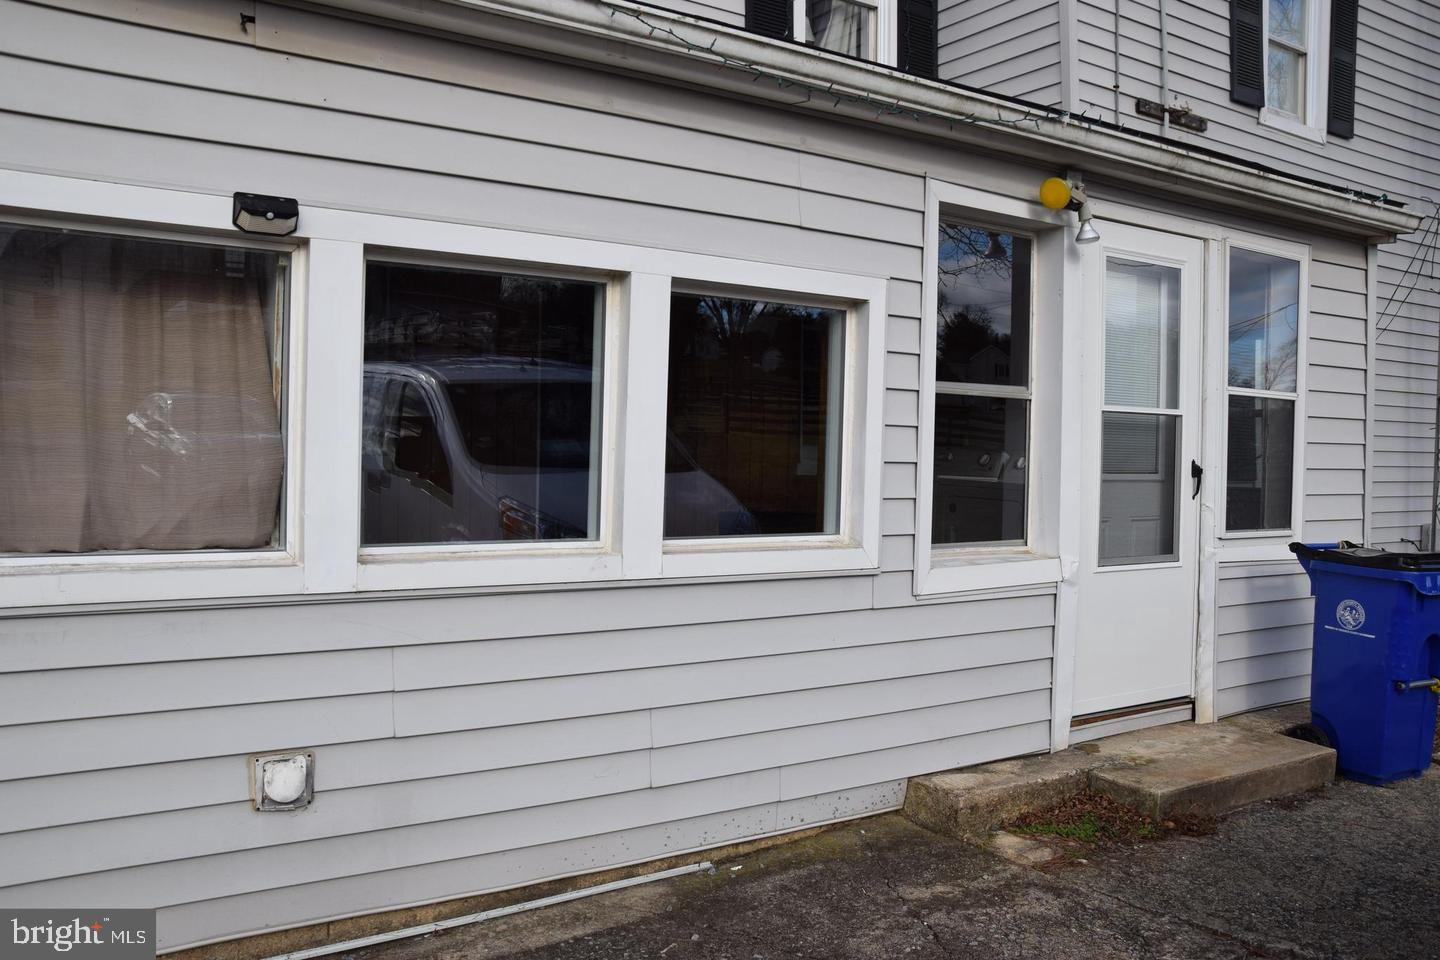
column 1350, row 614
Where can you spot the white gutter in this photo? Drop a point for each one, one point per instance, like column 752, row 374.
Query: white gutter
column 634, row 38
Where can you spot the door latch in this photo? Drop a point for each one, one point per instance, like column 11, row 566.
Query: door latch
column 1196, row 472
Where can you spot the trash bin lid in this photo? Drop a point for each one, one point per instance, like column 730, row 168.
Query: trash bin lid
column 1372, row 557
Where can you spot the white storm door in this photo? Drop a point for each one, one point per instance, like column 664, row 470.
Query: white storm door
column 1141, row 380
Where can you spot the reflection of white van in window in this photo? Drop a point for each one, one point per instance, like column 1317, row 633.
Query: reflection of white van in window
column 481, row 449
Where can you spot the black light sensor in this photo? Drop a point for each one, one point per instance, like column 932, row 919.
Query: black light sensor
column 257, row 213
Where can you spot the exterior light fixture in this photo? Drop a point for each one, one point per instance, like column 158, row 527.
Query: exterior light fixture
column 1055, row 193
column 1069, row 194
column 282, row 781
column 257, row 213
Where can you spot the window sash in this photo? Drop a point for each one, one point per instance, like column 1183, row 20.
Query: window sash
column 1294, row 398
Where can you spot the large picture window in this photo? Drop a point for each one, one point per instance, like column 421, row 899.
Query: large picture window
column 1263, row 388
column 481, row 406
column 753, row 425
column 982, row 387
column 140, row 393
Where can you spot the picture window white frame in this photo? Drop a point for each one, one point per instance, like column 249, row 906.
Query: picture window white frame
column 101, row 576
column 325, row 359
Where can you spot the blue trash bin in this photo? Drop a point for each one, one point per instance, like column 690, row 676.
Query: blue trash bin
column 1373, row 685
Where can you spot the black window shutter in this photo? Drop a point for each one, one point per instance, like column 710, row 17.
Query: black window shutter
column 769, row 18
column 1247, row 46
column 1343, row 22
column 917, row 35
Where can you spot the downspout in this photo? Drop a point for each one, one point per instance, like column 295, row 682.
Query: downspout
column 1164, row 69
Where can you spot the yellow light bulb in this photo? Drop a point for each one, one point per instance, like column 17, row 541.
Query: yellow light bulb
column 1055, row 193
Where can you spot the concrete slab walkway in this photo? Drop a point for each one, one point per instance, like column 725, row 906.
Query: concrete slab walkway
column 1348, row 873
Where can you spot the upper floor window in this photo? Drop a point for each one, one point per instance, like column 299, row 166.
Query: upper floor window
column 877, row 31
column 840, row 26
column 1287, row 60
column 1295, row 61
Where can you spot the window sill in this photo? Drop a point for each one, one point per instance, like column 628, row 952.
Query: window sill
column 49, row 581
column 729, row 560
column 987, row 570
column 1286, row 123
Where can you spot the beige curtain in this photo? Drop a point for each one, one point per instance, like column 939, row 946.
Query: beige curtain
column 137, row 406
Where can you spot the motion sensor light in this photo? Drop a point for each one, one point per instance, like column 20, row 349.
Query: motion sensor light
column 257, row 213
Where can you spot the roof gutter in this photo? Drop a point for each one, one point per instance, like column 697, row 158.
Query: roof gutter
column 630, row 37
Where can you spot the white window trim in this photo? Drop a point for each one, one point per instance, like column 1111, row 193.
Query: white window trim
column 44, row 579
column 322, row 553
column 1258, row 544
column 1312, row 125
column 987, row 567
column 887, row 38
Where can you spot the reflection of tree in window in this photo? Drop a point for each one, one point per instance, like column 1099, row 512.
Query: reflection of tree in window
column 749, row 385
column 984, row 282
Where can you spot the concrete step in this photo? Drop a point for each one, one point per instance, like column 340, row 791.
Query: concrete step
column 1206, row 770
column 1181, row 769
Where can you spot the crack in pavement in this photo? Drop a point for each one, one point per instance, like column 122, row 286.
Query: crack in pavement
column 910, row 910
column 1263, row 949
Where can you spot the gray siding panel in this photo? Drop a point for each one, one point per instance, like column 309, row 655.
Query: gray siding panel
column 1008, row 46
column 1264, row 627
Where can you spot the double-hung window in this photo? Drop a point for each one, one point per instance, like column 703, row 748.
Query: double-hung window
column 1295, row 66
column 982, row 387
column 850, row 27
column 1265, row 306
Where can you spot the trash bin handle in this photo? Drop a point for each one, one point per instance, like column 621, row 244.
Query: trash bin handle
column 1429, row 683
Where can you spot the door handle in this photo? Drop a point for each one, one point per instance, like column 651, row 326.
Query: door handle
column 1196, row 472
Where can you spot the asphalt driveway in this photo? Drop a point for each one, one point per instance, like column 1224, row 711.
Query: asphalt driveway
column 1353, row 871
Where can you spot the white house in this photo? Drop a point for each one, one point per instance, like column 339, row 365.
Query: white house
column 656, row 432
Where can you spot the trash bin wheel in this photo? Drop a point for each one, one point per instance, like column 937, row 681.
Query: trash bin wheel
column 1310, row 733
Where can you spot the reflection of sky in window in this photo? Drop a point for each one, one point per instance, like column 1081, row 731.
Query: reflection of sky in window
column 1287, row 21
column 972, row 281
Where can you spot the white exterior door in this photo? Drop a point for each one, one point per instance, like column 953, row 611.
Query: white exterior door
column 1142, row 383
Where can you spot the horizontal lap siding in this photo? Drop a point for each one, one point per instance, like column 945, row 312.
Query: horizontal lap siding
column 1011, row 47
column 1397, row 127
column 467, row 744
column 1264, row 620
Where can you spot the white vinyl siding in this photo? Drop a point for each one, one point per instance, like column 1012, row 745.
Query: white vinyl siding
column 1011, row 47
